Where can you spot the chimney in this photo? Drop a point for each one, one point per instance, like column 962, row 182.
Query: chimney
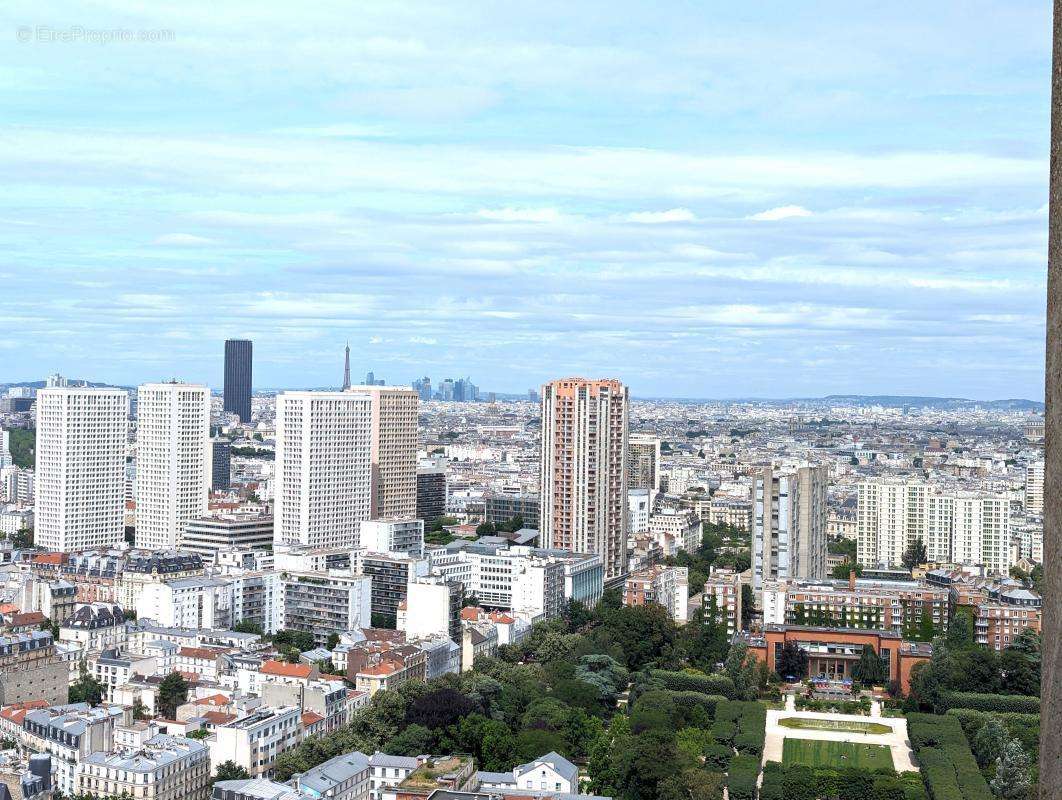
column 851, row 580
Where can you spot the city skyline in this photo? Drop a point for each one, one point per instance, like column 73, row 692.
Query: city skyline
column 864, row 211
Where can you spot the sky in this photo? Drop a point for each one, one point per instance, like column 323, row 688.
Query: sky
column 703, row 199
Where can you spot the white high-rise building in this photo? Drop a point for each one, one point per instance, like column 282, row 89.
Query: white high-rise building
column 583, row 466
column 394, row 450
column 323, row 474
column 173, row 461
column 789, row 525
column 1034, row 488
column 959, row 527
column 80, row 476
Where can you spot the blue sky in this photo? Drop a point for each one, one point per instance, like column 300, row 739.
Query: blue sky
column 703, row 199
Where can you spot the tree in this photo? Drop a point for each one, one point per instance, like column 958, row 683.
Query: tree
column 247, row 626
column 743, row 669
column 961, row 630
column 139, row 709
column 748, row 605
column 333, row 640
column 485, row 529
column 229, row 771
column 915, row 554
column 792, row 662
column 22, row 539
column 989, row 742
column 302, row 640
column 173, row 691
column 1012, row 772
column 413, row 741
column 870, row 669
column 85, row 689
column 842, row 571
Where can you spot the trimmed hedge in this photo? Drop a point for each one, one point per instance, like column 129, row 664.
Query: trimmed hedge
column 802, row 782
column 742, row 723
column 1017, row 703
column 741, row 777
column 688, row 682
column 1023, row 727
column 688, row 701
column 949, row 769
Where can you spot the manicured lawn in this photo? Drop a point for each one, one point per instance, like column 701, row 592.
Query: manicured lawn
column 837, row 755
column 849, row 726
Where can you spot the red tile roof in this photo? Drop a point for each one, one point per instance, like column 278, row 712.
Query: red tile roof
column 17, row 711
column 470, row 613
column 198, row 652
column 218, row 717
column 212, row 700
column 311, row 718
column 286, row 670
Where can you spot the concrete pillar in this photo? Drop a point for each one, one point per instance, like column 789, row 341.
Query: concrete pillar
column 1051, row 722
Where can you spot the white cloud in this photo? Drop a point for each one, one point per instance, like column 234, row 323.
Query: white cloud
column 657, row 217
column 520, row 214
column 781, row 212
column 183, row 240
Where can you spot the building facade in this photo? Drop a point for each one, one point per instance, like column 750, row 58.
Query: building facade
column 238, row 361
column 643, row 470
column 82, row 435
column 173, row 461
column 789, row 525
column 323, row 468
column 583, row 469
column 394, row 450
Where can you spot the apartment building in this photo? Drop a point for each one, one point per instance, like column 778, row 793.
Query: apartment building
column 394, row 450
column 501, row 507
column 173, row 461
column 321, row 604
column 534, row 583
column 665, row 586
column 643, row 471
column 326, row 699
column 906, row 608
column 431, row 492
column 391, row 574
column 789, row 526
column 207, row 536
column 722, row 591
column 1007, row 613
column 393, row 535
column 323, row 468
column 675, row 529
column 345, row 777
column 583, row 469
column 82, row 435
column 956, row 526
column 30, row 669
column 432, row 608
column 94, row 627
column 140, row 568
column 161, row 768
column 256, row 739
column 199, row 602
column 1034, row 488
column 69, row 734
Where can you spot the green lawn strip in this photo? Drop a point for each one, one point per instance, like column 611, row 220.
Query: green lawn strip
column 845, row 726
column 835, row 755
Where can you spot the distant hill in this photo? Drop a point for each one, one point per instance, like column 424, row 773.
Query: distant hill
column 898, row 401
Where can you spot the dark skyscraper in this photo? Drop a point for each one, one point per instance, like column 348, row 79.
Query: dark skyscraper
column 238, row 378
column 222, row 466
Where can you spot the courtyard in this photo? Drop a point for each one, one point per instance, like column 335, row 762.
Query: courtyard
column 820, row 738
